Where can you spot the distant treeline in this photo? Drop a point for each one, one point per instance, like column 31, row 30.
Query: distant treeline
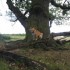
column 61, row 34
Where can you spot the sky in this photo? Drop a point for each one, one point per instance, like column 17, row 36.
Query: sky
column 7, row 27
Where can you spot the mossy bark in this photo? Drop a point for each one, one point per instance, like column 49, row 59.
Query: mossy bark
column 39, row 18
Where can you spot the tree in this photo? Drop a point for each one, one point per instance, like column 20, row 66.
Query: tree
column 38, row 15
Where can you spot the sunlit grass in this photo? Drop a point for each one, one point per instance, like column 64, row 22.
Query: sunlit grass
column 11, row 37
column 15, row 37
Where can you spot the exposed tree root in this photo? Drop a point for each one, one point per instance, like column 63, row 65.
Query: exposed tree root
column 44, row 44
column 20, row 44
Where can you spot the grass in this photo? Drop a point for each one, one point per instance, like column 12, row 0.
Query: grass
column 14, row 37
column 6, row 65
column 3, row 65
column 54, row 59
column 11, row 37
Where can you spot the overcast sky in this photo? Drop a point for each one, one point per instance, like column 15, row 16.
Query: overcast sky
column 7, row 27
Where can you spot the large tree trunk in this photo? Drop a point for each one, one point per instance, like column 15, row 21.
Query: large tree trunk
column 39, row 17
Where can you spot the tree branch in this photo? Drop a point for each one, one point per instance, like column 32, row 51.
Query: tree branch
column 59, row 5
column 21, row 17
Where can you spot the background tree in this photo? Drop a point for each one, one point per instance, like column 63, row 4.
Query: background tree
column 38, row 14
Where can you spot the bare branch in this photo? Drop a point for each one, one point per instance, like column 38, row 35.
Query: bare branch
column 59, row 5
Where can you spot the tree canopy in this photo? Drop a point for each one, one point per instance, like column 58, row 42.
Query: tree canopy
column 58, row 9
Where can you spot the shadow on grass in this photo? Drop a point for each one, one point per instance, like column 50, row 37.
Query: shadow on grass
column 29, row 63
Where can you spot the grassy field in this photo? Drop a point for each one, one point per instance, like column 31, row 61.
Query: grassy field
column 14, row 37
column 11, row 37
column 54, row 59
